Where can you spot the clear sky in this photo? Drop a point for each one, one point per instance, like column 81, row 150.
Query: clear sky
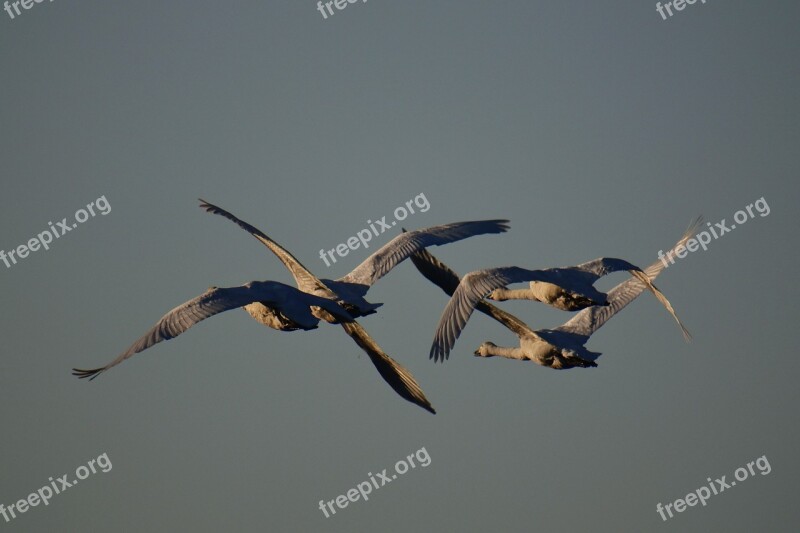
column 597, row 128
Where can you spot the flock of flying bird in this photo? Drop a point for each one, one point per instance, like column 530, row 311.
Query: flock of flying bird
column 341, row 301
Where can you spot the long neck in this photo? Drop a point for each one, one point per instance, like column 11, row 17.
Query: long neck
column 514, row 294
column 509, row 353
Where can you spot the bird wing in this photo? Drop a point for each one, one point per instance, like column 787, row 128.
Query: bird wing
column 446, row 279
column 306, row 281
column 212, row 302
column 472, row 289
column 390, row 370
column 398, row 249
column 589, row 320
column 606, row 265
column 436, row 272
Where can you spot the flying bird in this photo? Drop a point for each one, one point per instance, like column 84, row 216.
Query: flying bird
column 289, row 309
column 579, row 278
column 467, row 294
column 567, row 287
column 280, row 307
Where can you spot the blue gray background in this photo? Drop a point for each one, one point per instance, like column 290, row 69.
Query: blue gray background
column 596, row 127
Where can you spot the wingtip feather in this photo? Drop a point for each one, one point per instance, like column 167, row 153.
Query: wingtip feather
column 81, row 373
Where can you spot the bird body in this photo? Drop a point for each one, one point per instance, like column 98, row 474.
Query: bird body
column 271, row 317
column 550, row 294
column 544, row 347
column 534, row 348
column 577, row 292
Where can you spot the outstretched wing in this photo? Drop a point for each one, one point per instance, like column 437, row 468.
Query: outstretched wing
column 306, row 281
column 606, row 265
column 446, row 279
column 390, row 370
column 398, row 249
column 212, row 302
column 591, row 319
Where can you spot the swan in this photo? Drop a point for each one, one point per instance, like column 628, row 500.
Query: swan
column 581, row 279
column 559, row 348
column 280, row 307
column 572, row 288
column 289, row 310
column 350, row 289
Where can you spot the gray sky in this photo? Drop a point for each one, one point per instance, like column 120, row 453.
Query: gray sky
column 597, row 128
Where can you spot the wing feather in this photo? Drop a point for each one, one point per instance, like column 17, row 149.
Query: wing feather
column 212, row 302
column 446, row 279
column 591, row 319
column 398, row 249
column 390, row 370
column 306, row 281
